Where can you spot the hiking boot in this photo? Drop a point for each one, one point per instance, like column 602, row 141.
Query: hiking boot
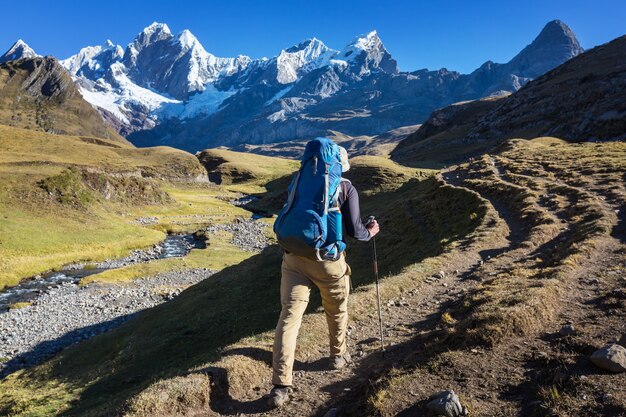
column 340, row 361
column 279, row 396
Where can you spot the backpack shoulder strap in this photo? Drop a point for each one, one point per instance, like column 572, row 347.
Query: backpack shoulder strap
column 292, row 193
column 342, row 191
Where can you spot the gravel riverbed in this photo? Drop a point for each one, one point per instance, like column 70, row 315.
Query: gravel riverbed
column 68, row 314
column 248, row 235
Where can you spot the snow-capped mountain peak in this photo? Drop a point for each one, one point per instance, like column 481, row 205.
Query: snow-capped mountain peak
column 158, row 29
column 75, row 62
column 368, row 42
column 187, row 40
column 367, row 53
column 154, row 33
column 307, row 55
column 20, row 44
column 19, row 50
column 93, row 58
column 151, row 34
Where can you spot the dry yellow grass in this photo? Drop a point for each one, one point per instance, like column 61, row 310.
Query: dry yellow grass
column 178, row 396
column 561, row 220
column 207, row 327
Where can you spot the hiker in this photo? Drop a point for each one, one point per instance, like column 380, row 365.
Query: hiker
column 320, row 203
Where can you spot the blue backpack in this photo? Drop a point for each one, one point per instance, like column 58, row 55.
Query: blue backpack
column 310, row 223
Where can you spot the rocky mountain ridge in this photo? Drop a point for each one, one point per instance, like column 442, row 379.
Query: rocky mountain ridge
column 191, row 99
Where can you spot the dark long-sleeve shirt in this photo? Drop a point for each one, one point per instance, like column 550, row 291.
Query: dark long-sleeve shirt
column 351, row 212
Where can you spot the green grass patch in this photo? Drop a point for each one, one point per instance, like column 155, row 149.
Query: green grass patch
column 17, row 306
column 238, row 307
column 66, row 199
column 68, row 188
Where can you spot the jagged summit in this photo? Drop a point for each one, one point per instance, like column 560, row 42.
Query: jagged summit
column 307, row 55
column 188, row 40
column 555, row 44
column 309, row 44
column 367, row 42
column 151, row 34
column 156, row 28
column 367, row 53
column 19, row 50
column 557, row 28
column 93, row 58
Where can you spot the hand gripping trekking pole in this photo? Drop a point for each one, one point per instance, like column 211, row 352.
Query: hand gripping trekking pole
column 380, row 314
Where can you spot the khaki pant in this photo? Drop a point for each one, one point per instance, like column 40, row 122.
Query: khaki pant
column 333, row 281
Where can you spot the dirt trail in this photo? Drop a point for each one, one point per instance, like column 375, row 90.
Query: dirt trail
column 563, row 232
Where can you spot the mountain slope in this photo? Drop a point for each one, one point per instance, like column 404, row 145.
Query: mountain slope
column 581, row 100
column 39, row 94
column 91, row 187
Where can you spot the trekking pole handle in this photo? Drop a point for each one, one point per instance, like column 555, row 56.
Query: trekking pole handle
column 369, row 220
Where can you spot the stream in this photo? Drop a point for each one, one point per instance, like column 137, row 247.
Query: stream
column 62, row 313
column 29, row 289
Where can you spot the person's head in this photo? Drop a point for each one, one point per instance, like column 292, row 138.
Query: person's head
column 343, row 157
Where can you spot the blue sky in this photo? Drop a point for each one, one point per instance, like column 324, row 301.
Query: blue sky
column 458, row 35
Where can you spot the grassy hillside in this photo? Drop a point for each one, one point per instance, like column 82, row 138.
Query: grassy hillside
column 39, row 94
column 555, row 256
column 437, row 142
column 223, row 326
column 518, row 236
column 230, row 167
column 69, row 198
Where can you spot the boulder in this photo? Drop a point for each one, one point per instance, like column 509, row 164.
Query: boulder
column 567, row 330
column 446, row 404
column 611, row 357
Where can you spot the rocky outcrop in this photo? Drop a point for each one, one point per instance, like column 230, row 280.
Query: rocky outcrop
column 45, row 79
column 220, row 171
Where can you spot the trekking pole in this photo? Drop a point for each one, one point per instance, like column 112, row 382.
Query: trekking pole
column 380, row 314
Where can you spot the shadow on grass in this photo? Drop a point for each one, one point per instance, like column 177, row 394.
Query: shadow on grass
column 240, row 301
